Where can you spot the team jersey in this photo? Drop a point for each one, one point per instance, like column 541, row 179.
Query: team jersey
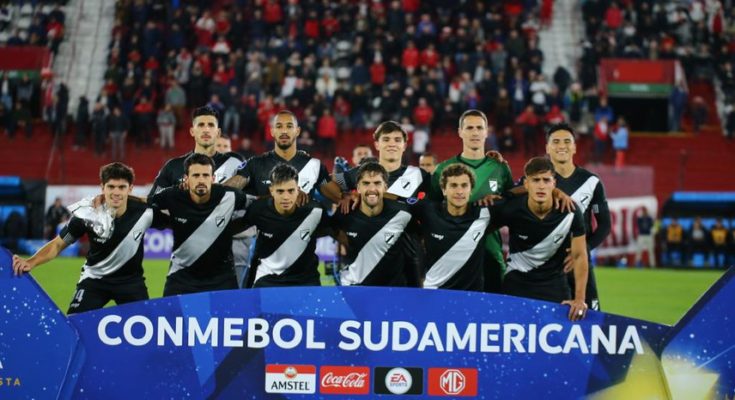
column 375, row 251
column 312, row 173
column 202, row 252
column 537, row 247
column 172, row 173
column 454, row 251
column 405, row 182
column 285, row 249
column 119, row 258
column 491, row 177
column 588, row 193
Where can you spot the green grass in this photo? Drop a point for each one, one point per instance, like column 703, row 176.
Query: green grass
column 660, row 295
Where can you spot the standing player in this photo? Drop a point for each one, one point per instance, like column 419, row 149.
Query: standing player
column 284, row 251
column 114, row 266
column 205, row 131
column 586, row 190
column 375, row 253
column 539, row 235
column 200, row 216
column 254, row 176
column 454, row 231
column 493, row 178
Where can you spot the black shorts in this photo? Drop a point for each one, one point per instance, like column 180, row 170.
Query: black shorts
column 175, row 286
column 93, row 294
column 554, row 289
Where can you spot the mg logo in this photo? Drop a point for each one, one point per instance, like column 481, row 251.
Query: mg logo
column 452, row 381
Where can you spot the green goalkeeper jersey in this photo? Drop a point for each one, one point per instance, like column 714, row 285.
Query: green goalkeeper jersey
column 492, row 177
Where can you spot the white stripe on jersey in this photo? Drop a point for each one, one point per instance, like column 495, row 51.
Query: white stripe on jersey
column 374, row 250
column 534, row 257
column 309, row 175
column 124, row 251
column 292, row 248
column 202, row 238
column 227, row 169
column 583, row 195
column 456, row 257
column 408, row 183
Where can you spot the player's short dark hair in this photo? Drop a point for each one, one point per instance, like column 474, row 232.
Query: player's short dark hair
column 562, row 126
column 285, row 112
column 372, row 168
column 116, row 170
column 456, row 170
column 538, row 165
column 199, row 159
column 472, row 113
column 389, row 127
column 283, row 173
column 204, row 111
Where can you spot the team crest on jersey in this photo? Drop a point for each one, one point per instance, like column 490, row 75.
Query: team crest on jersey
column 304, row 234
column 219, row 221
column 390, row 238
column 137, row 234
column 493, row 184
column 405, row 183
column 558, row 238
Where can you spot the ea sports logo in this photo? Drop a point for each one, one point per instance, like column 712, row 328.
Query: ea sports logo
column 398, row 381
column 452, row 381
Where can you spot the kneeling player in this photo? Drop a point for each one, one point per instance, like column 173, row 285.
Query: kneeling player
column 284, row 250
column 539, row 236
column 113, row 270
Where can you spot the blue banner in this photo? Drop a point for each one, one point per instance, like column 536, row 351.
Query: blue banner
column 344, row 342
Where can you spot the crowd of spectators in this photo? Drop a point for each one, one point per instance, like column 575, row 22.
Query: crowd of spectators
column 340, row 66
column 695, row 32
column 701, row 243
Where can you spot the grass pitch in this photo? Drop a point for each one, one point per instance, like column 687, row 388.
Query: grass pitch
column 660, row 295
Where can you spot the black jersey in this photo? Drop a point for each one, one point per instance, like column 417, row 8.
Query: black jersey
column 375, row 251
column 119, row 258
column 172, row 173
column 202, row 253
column 454, row 245
column 588, row 193
column 537, row 247
column 285, row 249
column 405, row 182
column 312, row 173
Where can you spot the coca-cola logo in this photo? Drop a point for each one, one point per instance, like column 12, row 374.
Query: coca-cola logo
column 351, row 380
column 344, row 380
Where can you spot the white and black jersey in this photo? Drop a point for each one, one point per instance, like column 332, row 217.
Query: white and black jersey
column 312, row 173
column 172, row 173
column 285, row 249
column 202, row 253
column 537, row 248
column 454, row 245
column 405, row 182
column 376, row 254
column 588, row 193
column 118, row 259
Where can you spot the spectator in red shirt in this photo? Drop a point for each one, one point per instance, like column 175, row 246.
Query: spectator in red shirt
column 613, row 16
column 272, row 12
column 311, row 25
column 377, row 72
column 529, row 124
column 554, row 116
column 410, row 58
column 327, row 132
column 423, row 115
column 411, row 6
column 143, row 122
column 430, row 57
column 330, row 24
